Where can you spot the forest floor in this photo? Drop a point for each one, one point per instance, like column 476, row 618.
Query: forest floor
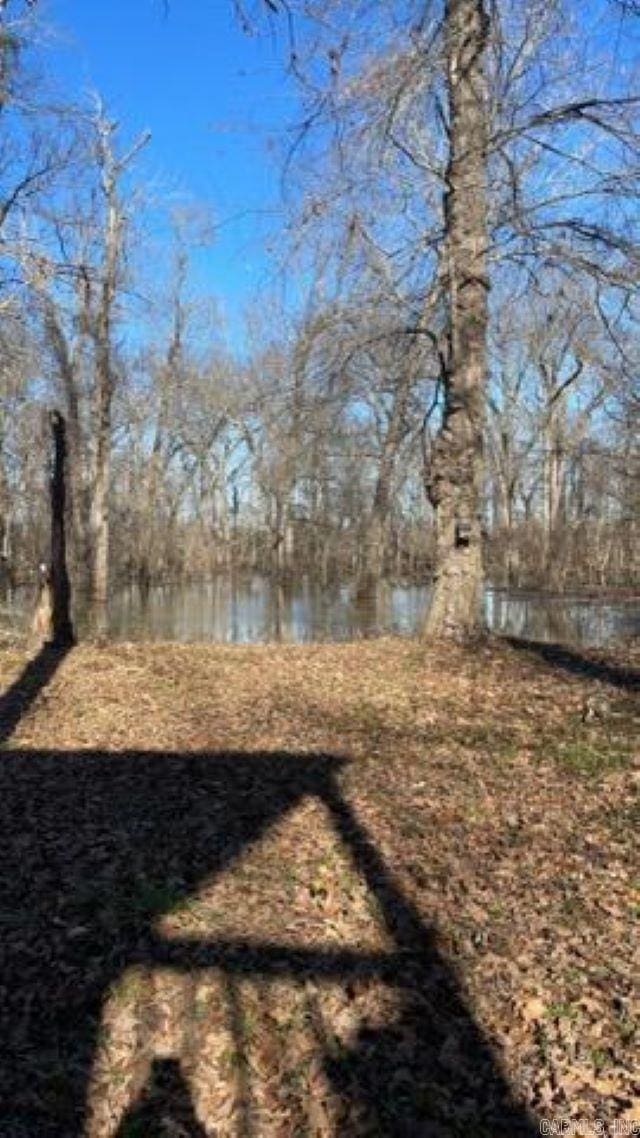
column 358, row 889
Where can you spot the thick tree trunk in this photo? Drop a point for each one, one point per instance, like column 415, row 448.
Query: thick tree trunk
column 61, row 626
column 77, row 494
column 455, row 483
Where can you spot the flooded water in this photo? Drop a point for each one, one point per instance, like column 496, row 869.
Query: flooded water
column 254, row 609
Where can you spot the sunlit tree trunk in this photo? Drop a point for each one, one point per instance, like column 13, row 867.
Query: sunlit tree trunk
column 455, row 484
column 100, row 496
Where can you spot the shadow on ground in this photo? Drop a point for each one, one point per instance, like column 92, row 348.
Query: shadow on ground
column 16, row 701
column 577, row 663
column 165, row 1095
column 96, row 846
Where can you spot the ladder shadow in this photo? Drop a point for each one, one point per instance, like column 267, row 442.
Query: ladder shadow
column 96, row 846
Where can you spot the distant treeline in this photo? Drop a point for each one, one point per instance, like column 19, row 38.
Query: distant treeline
column 382, row 424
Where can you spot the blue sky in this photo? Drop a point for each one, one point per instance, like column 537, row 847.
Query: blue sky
column 218, row 102
column 215, row 100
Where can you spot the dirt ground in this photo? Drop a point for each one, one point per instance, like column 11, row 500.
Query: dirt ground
column 360, row 889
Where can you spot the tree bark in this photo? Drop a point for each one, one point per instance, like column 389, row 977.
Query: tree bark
column 374, row 546
column 104, row 386
column 111, row 169
column 455, row 479
column 61, row 627
column 76, row 485
column 100, row 500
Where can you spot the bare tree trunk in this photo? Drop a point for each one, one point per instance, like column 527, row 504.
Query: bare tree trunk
column 553, row 485
column 100, row 496
column 104, row 384
column 61, row 626
column 169, row 379
column 278, row 529
column 455, row 484
column 374, row 543
column 376, row 532
column 111, row 168
column 77, row 489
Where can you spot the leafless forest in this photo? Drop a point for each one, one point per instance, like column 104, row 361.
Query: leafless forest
column 384, row 888
column 458, row 353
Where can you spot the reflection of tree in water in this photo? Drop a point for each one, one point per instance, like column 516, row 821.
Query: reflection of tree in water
column 277, row 606
column 555, row 623
column 535, row 618
column 559, row 620
column 241, row 608
column 370, row 609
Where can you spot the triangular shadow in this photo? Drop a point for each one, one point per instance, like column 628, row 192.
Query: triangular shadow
column 163, row 1108
column 96, row 846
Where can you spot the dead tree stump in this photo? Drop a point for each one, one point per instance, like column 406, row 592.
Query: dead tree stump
column 52, row 617
column 61, row 625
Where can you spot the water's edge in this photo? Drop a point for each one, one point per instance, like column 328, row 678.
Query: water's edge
column 255, row 609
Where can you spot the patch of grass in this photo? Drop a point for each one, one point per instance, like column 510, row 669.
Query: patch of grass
column 411, row 826
column 586, row 755
column 590, row 758
column 366, row 716
column 129, row 988
column 622, row 819
column 562, row 1010
column 232, row 1061
column 573, row 907
column 495, row 910
column 600, row 1058
column 497, row 741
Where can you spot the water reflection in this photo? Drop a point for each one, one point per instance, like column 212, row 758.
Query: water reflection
column 562, row 620
column 253, row 609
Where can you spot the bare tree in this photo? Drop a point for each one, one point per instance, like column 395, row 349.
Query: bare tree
column 455, row 484
column 111, row 169
column 503, row 157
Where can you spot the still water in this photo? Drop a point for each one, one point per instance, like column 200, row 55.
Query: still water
column 253, row 609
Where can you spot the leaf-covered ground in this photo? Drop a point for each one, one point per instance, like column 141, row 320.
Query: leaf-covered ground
column 361, row 889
